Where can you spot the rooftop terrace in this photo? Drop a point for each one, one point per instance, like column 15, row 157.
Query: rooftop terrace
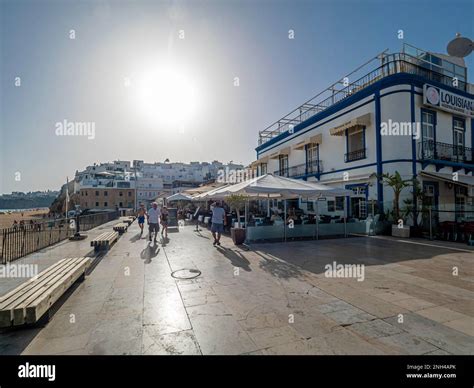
column 433, row 67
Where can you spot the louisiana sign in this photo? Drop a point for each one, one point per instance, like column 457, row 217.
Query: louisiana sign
column 448, row 101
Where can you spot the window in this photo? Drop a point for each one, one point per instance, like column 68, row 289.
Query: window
column 129, row 193
column 312, row 157
column 120, row 194
column 97, row 204
column 106, row 204
column 263, row 168
column 428, row 122
column 339, row 203
column 106, row 193
column 331, row 206
column 96, row 193
column 355, row 143
column 121, row 204
column 459, row 130
column 283, row 165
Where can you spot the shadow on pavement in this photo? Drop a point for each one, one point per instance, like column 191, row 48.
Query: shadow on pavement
column 236, row 259
column 150, row 252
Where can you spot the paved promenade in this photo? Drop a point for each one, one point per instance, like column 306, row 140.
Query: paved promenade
column 273, row 299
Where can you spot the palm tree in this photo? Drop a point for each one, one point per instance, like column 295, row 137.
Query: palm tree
column 397, row 184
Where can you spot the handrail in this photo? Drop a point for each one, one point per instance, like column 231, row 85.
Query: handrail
column 391, row 64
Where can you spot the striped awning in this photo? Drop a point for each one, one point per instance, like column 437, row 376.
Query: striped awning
column 283, row 151
column 340, row 130
column 316, row 139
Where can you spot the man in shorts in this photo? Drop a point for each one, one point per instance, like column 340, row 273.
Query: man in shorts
column 141, row 217
column 153, row 216
column 218, row 221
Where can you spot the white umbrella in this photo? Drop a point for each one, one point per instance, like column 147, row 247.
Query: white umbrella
column 271, row 186
column 178, row 197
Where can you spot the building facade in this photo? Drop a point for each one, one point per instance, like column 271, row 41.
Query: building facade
column 412, row 114
column 123, row 184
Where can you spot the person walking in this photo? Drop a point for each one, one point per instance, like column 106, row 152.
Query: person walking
column 141, row 217
column 153, row 217
column 218, row 221
column 164, row 221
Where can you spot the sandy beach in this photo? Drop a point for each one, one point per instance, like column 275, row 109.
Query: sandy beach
column 6, row 220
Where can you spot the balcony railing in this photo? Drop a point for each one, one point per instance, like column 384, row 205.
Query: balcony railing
column 282, row 172
column 355, row 155
column 391, row 64
column 300, row 170
column 431, row 150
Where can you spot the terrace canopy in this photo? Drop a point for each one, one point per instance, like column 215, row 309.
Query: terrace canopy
column 178, row 197
column 278, row 187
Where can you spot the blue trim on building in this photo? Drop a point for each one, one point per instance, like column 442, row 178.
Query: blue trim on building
column 472, row 133
column 310, row 129
column 386, row 82
column 378, row 148
column 413, row 152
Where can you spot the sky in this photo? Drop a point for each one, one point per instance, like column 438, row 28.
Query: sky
column 183, row 80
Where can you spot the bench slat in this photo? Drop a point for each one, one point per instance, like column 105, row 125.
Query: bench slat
column 38, row 307
column 13, row 310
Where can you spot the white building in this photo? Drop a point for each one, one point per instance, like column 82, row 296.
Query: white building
column 347, row 135
column 149, row 180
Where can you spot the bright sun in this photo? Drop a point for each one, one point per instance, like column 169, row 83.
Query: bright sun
column 167, row 96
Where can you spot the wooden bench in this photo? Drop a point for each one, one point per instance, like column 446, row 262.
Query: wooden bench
column 121, row 227
column 104, row 240
column 127, row 220
column 27, row 303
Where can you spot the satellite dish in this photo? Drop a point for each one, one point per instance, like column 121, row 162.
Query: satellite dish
column 460, row 46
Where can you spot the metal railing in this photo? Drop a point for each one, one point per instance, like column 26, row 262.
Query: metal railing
column 311, row 167
column 355, row 155
column 300, row 170
column 21, row 240
column 282, row 172
column 390, row 64
column 431, row 150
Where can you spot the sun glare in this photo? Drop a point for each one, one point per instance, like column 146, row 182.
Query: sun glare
column 167, row 96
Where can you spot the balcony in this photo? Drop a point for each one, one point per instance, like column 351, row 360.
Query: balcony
column 430, row 150
column 301, row 170
column 355, row 155
column 364, row 76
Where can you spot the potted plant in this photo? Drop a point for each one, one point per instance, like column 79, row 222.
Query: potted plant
column 237, row 202
column 395, row 181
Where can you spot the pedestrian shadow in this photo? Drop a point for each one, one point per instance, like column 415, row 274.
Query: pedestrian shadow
column 136, row 238
column 164, row 241
column 150, row 252
column 199, row 234
column 236, row 258
column 279, row 268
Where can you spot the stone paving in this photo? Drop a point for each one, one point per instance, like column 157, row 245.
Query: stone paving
column 271, row 299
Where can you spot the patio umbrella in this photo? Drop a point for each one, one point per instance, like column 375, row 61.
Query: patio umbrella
column 178, row 197
column 271, row 186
